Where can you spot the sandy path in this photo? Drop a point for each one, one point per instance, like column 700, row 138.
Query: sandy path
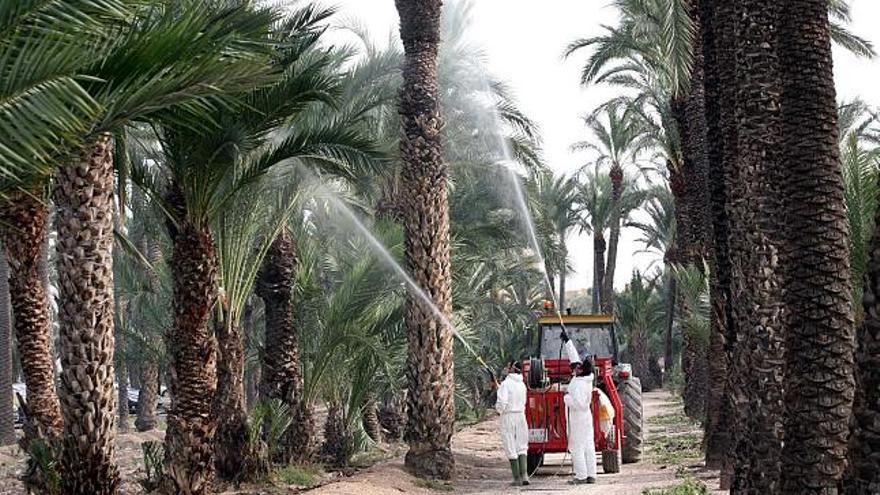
column 482, row 469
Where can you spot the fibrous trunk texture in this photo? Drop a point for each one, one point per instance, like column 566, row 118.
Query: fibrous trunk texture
column 191, row 347
column 607, row 298
column 756, row 237
column 718, row 36
column 641, row 358
column 280, row 377
column 24, row 225
column 671, row 289
column 819, row 383
column 694, row 232
column 148, row 394
column 599, row 246
column 392, row 416
column 426, row 226
column 234, row 457
column 7, row 419
column 370, row 417
column 337, row 446
column 84, row 221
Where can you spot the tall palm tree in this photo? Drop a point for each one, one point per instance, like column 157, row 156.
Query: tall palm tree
column 45, row 111
column 755, row 251
column 426, row 210
column 718, row 38
column 818, row 295
column 556, row 213
column 618, row 143
column 7, row 423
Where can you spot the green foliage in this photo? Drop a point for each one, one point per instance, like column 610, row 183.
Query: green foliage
column 689, row 486
column 43, row 465
column 304, row 476
column 269, row 420
column 859, row 139
column 154, row 465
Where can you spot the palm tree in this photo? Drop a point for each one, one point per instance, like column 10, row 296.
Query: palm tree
column 556, row 213
column 204, row 63
column 755, row 251
column 859, row 156
column 719, row 54
column 426, row 209
column 281, row 377
column 24, row 216
column 618, row 144
column 659, row 235
column 863, row 475
column 7, row 423
column 639, row 313
column 45, row 111
column 818, row 294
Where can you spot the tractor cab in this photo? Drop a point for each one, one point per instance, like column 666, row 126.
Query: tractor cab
column 548, row 372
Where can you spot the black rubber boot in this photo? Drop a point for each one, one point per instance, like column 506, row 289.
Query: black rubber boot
column 524, row 469
column 517, row 474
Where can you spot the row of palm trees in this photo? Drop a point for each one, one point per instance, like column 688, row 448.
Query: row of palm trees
column 196, row 156
column 741, row 96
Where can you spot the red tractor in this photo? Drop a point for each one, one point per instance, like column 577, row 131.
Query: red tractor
column 547, row 377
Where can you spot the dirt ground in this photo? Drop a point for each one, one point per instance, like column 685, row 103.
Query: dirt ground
column 483, row 469
column 670, row 453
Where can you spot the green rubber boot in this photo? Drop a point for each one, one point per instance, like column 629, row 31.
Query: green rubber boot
column 517, row 474
column 524, row 469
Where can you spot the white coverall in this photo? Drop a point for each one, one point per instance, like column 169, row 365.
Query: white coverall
column 511, row 405
column 580, row 427
column 572, row 352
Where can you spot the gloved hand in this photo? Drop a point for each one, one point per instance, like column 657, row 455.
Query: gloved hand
column 564, row 337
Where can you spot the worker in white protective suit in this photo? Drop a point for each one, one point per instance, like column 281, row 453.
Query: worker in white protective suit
column 511, row 405
column 581, row 444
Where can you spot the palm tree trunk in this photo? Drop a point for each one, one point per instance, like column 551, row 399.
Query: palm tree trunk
column 755, row 240
column 121, row 372
column 7, row 419
column 718, row 41
column 668, row 355
column 234, row 460
column 24, row 225
column 607, row 297
column 598, row 269
column 189, row 439
column 148, row 394
column 371, row 418
column 431, row 406
column 281, row 377
column 84, row 221
column 863, row 475
column 819, row 343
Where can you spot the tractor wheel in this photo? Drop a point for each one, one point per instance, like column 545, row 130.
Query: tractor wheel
column 536, row 373
column 634, row 433
column 535, row 461
column 611, row 461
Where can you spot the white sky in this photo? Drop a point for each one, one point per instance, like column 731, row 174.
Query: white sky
column 524, row 41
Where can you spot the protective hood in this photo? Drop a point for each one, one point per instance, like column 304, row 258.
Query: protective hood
column 517, row 377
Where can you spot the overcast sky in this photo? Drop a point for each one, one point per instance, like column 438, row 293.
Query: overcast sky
column 524, row 40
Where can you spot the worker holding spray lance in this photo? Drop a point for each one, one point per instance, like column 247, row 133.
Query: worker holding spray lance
column 580, row 418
